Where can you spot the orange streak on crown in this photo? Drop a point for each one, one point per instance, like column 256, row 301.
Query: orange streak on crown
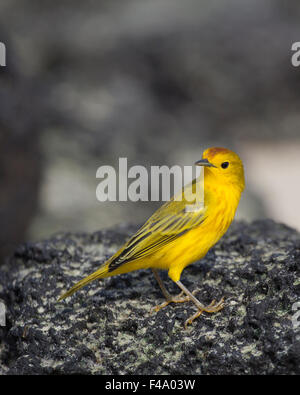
column 211, row 152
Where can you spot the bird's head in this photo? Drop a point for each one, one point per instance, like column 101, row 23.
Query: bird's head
column 224, row 164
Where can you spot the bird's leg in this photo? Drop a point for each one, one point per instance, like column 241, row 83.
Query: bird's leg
column 167, row 295
column 211, row 308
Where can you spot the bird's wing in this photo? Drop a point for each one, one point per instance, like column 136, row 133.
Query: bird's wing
column 170, row 221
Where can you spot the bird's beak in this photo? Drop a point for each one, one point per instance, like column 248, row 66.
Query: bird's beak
column 204, row 162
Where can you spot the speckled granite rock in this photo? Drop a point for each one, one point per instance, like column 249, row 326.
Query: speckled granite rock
column 106, row 328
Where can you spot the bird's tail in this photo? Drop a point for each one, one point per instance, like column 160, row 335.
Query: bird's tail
column 100, row 273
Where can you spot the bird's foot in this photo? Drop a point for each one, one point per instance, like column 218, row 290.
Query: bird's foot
column 211, row 308
column 180, row 298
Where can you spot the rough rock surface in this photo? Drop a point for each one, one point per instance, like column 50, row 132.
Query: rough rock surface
column 106, row 328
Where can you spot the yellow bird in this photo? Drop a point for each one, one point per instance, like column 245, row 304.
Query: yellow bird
column 176, row 235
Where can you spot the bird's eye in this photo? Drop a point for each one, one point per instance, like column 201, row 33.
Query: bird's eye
column 224, row 165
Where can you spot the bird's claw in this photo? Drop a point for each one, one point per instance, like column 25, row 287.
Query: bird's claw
column 211, row 308
column 173, row 299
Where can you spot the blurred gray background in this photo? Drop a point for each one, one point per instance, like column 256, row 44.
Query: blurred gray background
column 156, row 81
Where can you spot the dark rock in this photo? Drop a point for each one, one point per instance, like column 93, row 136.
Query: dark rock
column 107, row 328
